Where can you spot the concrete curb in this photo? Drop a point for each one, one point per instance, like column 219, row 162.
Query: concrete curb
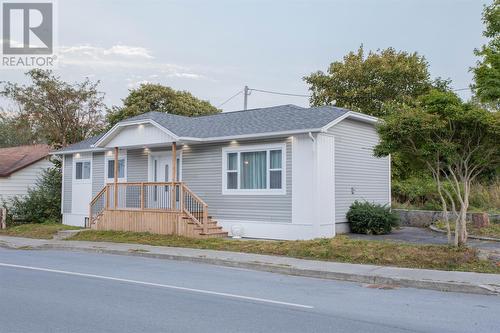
column 366, row 274
column 491, row 239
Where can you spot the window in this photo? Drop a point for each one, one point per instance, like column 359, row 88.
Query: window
column 82, row 170
column 121, row 168
column 254, row 170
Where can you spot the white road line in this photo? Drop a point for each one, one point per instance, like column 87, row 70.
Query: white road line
column 201, row 291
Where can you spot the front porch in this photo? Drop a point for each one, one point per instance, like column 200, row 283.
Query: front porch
column 163, row 207
column 168, row 208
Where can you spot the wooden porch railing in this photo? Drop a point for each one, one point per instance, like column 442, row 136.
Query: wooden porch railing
column 144, row 196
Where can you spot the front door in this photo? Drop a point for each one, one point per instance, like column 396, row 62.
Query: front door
column 160, row 170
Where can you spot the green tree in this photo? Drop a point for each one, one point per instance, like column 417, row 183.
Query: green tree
column 58, row 112
column 455, row 141
column 487, row 72
column 15, row 131
column 155, row 97
column 366, row 83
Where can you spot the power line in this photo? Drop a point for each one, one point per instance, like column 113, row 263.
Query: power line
column 230, row 98
column 461, row 89
column 278, row 93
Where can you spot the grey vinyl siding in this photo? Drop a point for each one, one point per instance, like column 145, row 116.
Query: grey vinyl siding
column 202, row 172
column 97, row 172
column 68, row 183
column 137, row 165
column 357, row 168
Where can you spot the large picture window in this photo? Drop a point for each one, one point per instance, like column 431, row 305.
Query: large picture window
column 254, row 170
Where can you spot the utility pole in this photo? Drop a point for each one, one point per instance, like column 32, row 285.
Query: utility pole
column 246, row 93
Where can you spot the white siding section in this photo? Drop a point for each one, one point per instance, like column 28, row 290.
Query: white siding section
column 19, row 182
column 324, row 198
column 313, row 186
column 356, row 169
column 137, row 135
column 303, row 164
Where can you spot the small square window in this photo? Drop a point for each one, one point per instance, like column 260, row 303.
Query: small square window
column 82, row 170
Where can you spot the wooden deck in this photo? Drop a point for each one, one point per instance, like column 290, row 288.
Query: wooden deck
column 167, row 208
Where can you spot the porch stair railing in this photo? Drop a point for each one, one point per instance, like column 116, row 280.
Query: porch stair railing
column 151, row 196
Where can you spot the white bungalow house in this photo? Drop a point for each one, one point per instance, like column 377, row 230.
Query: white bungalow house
column 20, row 167
column 282, row 172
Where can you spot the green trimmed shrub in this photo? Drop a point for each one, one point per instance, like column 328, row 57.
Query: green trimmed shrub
column 371, row 218
column 42, row 204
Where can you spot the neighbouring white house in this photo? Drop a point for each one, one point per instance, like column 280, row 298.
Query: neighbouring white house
column 282, row 172
column 20, row 167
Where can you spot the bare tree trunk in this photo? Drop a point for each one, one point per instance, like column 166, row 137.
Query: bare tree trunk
column 445, row 208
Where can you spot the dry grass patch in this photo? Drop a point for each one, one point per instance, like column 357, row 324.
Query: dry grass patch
column 493, row 230
column 36, row 230
column 339, row 249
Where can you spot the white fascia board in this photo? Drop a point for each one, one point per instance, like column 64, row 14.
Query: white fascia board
column 130, row 123
column 84, row 150
column 363, row 117
column 259, row 135
column 352, row 115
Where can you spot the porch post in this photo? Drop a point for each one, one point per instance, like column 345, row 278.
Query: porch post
column 116, row 178
column 174, row 174
column 174, row 161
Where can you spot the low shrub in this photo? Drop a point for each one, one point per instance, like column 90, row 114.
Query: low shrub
column 371, row 218
column 42, row 204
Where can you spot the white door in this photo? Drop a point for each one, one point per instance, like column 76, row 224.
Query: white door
column 160, row 170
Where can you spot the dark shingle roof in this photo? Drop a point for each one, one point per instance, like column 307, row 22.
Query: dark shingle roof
column 238, row 123
column 13, row 159
column 264, row 120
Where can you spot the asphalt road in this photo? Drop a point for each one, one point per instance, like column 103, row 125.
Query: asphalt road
column 52, row 291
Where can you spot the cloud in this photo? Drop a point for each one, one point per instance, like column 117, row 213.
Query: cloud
column 123, row 57
column 131, row 51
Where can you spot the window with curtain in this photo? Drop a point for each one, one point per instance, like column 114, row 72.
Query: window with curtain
column 256, row 170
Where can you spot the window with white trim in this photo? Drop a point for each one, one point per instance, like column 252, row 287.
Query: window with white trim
column 109, row 169
column 254, row 170
column 82, row 170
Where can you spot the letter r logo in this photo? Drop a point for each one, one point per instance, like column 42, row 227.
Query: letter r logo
column 27, row 28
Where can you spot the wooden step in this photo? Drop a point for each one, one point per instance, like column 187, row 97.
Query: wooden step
column 219, row 234
column 210, row 227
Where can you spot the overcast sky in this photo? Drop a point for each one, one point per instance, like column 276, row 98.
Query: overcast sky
column 214, row 48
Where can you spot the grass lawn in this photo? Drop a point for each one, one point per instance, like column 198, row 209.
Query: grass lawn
column 339, row 249
column 36, row 230
column 493, row 230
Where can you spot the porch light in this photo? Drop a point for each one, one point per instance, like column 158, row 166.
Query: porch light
column 109, row 153
column 234, row 142
column 78, row 155
column 141, row 126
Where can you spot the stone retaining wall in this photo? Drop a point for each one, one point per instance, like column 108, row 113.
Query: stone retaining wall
column 423, row 218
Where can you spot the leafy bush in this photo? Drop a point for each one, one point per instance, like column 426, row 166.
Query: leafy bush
column 370, row 218
column 42, row 203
